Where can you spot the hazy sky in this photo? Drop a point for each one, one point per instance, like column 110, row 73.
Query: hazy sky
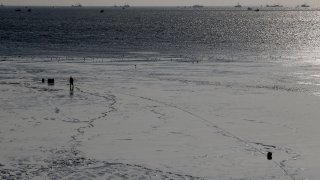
column 315, row 3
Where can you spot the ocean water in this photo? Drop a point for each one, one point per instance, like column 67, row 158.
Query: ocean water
column 288, row 38
column 86, row 31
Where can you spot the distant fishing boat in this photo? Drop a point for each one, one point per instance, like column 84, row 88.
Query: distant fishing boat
column 305, row 5
column 238, row 5
column 275, row 5
column 125, row 6
column 197, row 6
column 76, row 5
column 1, row 5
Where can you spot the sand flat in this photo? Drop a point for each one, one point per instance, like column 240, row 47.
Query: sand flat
column 166, row 119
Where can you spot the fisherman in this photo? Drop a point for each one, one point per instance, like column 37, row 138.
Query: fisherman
column 71, row 83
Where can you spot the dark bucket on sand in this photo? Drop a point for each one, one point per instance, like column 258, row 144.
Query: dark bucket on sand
column 51, row 81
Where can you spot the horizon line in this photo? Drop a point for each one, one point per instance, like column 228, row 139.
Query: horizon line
column 204, row 6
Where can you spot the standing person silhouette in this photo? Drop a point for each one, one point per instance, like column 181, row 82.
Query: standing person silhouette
column 71, row 83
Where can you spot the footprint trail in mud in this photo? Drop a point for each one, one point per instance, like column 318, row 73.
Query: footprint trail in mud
column 69, row 163
column 108, row 170
column 255, row 146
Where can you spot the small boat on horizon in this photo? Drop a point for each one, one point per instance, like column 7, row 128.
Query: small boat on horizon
column 77, row 5
column 125, row 6
column 305, row 5
column 238, row 5
column 1, row 5
column 274, row 5
column 197, row 6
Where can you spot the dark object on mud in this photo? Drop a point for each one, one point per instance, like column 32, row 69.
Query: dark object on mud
column 18, row 10
column 51, row 81
column 29, row 10
column 269, row 156
column 42, row 80
column 102, row 10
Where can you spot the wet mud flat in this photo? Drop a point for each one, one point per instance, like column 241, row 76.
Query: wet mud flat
column 168, row 119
